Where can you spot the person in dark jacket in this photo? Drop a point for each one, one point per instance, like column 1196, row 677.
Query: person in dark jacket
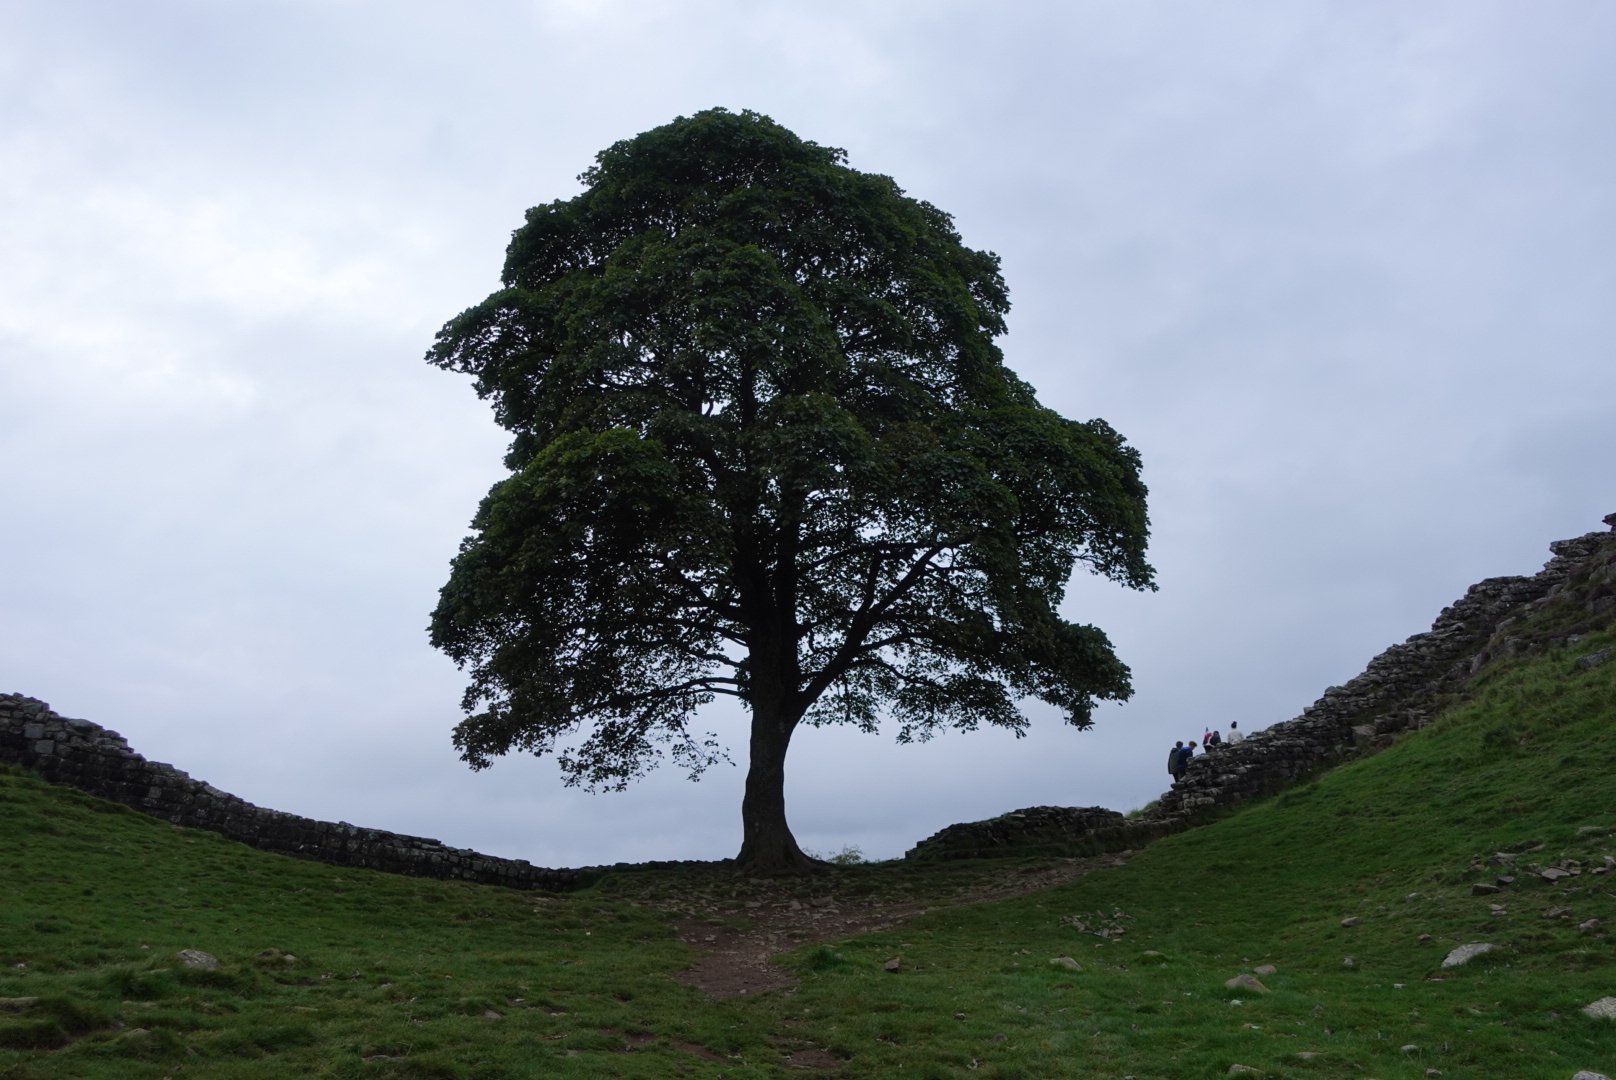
column 1175, row 760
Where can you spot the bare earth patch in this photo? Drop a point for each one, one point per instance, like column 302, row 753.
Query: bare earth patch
column 739, row 924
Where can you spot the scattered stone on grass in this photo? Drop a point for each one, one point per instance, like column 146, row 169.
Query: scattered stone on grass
column 1243, row 1070
column 1586, row 1075
column 1066, row 962
column 1590, row 926
column 196, row 958
column 1351, row 920
column 1264, row 969
column 1603, row 1009
column 894, row 964
column 1481, row 888
column 1246, row 981
column 1553, row 873
column 1466, row 953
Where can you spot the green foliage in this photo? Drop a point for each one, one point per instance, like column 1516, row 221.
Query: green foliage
column 850, row 855
column 764, row 446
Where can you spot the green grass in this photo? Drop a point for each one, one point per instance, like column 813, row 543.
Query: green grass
column 339, row 973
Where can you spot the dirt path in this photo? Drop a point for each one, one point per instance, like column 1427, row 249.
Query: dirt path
column 737, row 925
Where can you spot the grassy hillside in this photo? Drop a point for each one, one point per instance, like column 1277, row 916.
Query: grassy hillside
column 341, row 973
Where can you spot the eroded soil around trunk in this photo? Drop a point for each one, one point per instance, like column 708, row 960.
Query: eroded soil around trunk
column 738, row 924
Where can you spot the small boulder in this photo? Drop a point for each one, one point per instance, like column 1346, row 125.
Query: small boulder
column 1593, row 660
column 1264, row 969
column 1066, row 962
column 1351, row 920
column 893, row 965
column 196, row 958
column 1247, row 982
column 1603, row 1009
column 1466, row 953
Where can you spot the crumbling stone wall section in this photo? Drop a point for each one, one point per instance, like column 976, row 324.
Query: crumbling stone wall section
column 91, row 758
column 1409, row 684
column 1063, row 830
column 1403, row 688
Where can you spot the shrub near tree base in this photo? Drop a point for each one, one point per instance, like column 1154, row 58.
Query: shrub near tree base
column 764, row 446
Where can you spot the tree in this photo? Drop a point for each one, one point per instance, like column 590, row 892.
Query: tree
column 764, row 447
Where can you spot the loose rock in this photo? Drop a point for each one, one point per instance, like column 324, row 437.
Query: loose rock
column 1247, row 982
column 1603, row 1009
column 1466, row 953
column 196, row 958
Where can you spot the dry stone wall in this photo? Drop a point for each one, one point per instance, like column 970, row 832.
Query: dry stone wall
column 91, row 758
column 1037, row 829
column 1403, row 688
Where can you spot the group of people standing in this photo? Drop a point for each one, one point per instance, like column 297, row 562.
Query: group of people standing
column 1178, row 758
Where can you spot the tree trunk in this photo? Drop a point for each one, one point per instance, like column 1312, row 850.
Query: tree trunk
column 766, row 841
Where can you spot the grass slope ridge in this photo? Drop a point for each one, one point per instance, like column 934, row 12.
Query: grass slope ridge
column 1396, row 842
column 329, row 972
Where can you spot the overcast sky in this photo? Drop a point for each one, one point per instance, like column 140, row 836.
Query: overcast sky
column 1343, row 272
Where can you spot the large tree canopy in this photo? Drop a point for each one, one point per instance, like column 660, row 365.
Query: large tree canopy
column 765, row 447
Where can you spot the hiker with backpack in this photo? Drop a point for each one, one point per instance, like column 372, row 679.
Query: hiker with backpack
column 1175, row 761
